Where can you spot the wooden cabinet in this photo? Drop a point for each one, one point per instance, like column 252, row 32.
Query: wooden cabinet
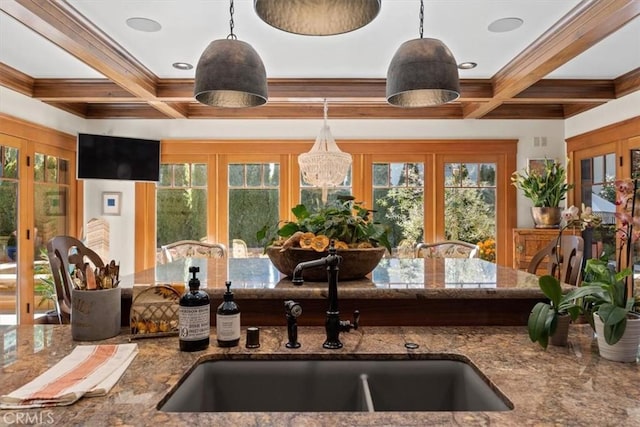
column 528, row 241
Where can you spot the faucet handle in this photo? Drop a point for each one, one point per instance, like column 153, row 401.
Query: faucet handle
column 346, row 325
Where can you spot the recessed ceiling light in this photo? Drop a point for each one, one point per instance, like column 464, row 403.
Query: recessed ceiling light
column 467, row 65
column 182, row 65
column 144, row 24
column 505, row 24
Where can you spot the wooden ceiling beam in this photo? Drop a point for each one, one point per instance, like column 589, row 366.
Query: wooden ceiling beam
column 59, row 22
column 627, row 83
column 587, row 24
column 16, row 80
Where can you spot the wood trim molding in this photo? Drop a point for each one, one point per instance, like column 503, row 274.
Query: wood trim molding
column 16, row 80
column 32, row 131
column 617, row 131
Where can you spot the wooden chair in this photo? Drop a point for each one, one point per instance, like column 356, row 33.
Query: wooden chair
column 239, row 248
column 447, row 249
column 568, row 260
column 192, row 249
column 65, row 254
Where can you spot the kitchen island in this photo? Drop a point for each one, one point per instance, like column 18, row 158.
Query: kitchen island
column 399, row 291
column 561, row 386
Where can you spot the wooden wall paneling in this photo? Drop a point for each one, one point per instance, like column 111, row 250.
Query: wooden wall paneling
column 145, row 226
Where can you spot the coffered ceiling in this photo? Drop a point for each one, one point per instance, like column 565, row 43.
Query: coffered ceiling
column 80, row 56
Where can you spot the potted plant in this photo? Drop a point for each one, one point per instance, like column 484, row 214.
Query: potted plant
column 360, row 241
column 611, row 301
column 551, row 320
column 546, row 188
column 12, row 246
column 610, row 311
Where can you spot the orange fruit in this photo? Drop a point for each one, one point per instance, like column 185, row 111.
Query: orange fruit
column 306, row 240
column 320, row 243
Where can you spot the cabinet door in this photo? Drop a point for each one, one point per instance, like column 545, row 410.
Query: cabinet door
column 528, row 242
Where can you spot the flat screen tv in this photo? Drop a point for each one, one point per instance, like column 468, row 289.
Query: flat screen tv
column 114, row 157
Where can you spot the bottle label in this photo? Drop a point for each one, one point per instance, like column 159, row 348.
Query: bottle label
column 194, row 323
column 228, row 327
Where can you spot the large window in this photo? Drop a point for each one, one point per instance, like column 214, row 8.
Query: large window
column 398, row 194
column 597, row 190
column 51, row 179
column 8, row 237
column 181, row 203
column 254, row 200
column 470, row 203
column 254, row 183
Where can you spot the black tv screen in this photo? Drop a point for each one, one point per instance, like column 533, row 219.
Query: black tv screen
column 113, row 157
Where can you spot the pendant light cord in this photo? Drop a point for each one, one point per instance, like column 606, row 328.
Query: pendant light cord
column 326, row 111
column 232, row 36
column 421, row 17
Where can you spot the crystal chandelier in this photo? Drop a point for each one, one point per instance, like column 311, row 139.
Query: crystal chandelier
column 324, row 165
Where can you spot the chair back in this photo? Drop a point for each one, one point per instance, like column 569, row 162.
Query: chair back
column 563, row 256
column 239, row 248
column 447, row 249
column 192, row 249
column 65, row 254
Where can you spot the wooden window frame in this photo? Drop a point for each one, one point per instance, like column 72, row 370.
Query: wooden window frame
column 219, row 153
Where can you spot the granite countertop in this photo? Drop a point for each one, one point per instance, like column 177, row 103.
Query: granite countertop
column 393, row 278
column 561, row 386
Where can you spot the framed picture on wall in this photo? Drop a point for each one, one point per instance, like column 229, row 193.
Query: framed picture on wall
column 111, row 203
column 537, row 165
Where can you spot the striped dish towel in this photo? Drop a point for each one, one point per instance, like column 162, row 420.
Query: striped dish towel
column 90, row 370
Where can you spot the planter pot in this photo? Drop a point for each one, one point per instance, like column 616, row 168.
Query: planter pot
column 546, row 217
column 560, row 336
column 625, row 350
column 11, row 252
column 356, row 263
column 95, row 314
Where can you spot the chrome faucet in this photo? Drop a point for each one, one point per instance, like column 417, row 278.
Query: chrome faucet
column 333, row 324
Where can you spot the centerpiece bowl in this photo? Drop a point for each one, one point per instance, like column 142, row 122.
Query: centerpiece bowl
column 356, row 263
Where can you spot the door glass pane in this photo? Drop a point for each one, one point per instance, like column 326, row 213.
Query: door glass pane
column 8, row 226
column 635, row 173
column 181, row 201
column 254, row 201
column 398, row 195
column 51, row 209
column 470, row 205
column 597, row 177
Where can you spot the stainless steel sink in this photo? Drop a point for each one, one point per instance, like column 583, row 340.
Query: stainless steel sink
column 334, row 386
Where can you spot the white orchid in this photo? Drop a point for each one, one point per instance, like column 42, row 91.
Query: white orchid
column 572, row 217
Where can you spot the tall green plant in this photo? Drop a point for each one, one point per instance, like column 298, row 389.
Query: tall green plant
column 546, row 188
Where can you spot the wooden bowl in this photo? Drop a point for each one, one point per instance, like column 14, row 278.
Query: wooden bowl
column 356, row 263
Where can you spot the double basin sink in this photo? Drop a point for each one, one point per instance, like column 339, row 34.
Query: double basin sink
column 448, row 383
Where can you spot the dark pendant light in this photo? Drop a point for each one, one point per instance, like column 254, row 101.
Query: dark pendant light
column 317, row 17
column 422, row 73
column 230, row 74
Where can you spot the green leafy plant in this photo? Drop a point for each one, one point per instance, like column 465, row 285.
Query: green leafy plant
column 543, row 319
column 606, row 296
column 546, row 188
column 344, row 220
